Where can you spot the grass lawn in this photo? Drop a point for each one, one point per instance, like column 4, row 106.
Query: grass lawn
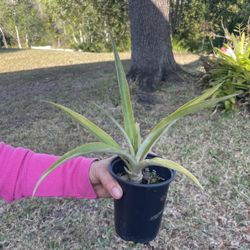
column 214, row 147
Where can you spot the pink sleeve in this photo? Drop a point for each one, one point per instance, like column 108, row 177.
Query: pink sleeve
column 21, row 168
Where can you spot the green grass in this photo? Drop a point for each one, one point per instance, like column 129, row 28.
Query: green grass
column 215, row 148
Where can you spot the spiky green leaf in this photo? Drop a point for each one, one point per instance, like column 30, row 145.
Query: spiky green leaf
column 159, row 129
column 118, row 126
column 128, row 114
column 92, row 127
column 170, row 164
column 209, row 92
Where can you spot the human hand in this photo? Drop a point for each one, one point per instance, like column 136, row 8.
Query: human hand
column 103, row 183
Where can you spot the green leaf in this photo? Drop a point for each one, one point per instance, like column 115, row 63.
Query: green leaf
column 170, row 164
column 93, row 128
column 119, row 126
column 159, row 129
column 127, row 109
column 94, row 147
column 202, row 97
column 145, row 147
column 138, row 131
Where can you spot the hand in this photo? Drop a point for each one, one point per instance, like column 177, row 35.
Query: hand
column 103, row 183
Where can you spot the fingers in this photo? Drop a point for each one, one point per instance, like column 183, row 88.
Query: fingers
column 109, row 183
column 101, row 192
column 104, row 184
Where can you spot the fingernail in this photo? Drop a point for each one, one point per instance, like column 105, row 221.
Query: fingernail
column 116, row 192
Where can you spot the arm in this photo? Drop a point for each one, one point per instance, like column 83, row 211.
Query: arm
column 21, row 168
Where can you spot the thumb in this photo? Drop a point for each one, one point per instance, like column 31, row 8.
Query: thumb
column 111, row 185
column 99, row 175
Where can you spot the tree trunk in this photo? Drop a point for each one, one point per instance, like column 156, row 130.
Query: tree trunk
column 16, row 28
column 18, row 38
column 27, row 42
column 106, row 33
column 4, row 39
column 81, row 36
column 74, row 37
column 152, row 56
column 58, row 42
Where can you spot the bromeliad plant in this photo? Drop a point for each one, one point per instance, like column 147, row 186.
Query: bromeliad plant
column 232, row 68
column 134, row 156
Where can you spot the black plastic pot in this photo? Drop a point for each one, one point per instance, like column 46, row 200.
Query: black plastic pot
column 138, row 213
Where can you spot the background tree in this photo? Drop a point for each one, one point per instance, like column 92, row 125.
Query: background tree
column 114, row 15
column 85, row 24
column 152, row 57
column 9, row 19
column 195, row 22
column 3, row 32
column 2, row 38
column 22, row 21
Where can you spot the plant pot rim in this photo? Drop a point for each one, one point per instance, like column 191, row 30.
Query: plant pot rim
column 172, row 171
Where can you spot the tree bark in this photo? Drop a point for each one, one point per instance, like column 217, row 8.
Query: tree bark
column 152, row 57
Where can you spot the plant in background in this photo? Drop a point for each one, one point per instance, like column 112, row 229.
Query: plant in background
column 231, row 69
column 178, row 45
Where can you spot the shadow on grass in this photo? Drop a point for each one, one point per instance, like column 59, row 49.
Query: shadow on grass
column 9, row 50
column 21, row 92
column 90, row 70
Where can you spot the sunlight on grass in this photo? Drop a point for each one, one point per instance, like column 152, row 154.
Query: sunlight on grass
column 18, row 60
column 35, row 59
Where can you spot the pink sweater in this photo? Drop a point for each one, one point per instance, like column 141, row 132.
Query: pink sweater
column 21, row 168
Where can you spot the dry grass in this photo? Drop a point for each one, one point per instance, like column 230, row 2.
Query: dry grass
column 216, row 148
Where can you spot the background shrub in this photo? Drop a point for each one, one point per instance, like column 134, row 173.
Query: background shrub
column 231, row 66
